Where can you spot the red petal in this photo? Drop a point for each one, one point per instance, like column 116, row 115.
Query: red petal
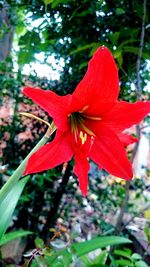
column 99, row 109
column 108, row 152
column 123, row 115
column 100, row 82
column 56, row 106
column 50, row 155
column 127, row 139
column 81, row 169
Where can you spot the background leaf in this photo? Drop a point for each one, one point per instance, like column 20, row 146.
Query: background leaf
column 13, row 235
column 100, row 242
column 9, row 203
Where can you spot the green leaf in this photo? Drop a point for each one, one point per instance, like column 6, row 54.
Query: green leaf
column 65, row 255
column 47, row 251
column 83, row 65
column 53, row 258
column 40, row 261
column 136, row 256
column 113, row 264
column 39, row 243
column 29, row 39
column 135, row 50
column 80, row 249
column 67, row 259
column 84, row 13
column 82, row 48
column 85, row 261
column 55, row 3
column 118, row 56
column 141, row 264
column 147, row 214
column 122, row 253
column 97, row 265
column 83, row 248
column 126, row 42
column 119, row 11
column 114, row 37
column 9, row 203
column 13, row 235
column 101, row 258
column 47, row 2
column 124, row 263
column 58, row 264
column 147, row 233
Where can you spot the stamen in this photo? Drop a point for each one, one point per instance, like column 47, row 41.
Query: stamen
column 87, row 130
column 30, row 115
column 85, row 108
column 51, row 127
column 78, row 127
column 91, row 117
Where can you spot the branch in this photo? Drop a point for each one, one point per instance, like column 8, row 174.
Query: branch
column 139, row 96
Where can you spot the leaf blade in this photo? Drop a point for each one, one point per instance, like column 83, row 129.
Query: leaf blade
column 8, row 204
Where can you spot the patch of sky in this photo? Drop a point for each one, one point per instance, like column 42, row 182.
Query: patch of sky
column 62, row 40
column 100, row 14
column 114, row 47
column 39, row 23
column 44, row 66
column 49, row 68
column 146, row 88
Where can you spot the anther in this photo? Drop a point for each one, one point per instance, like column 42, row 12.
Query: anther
column 85, row 108
column 83, row 137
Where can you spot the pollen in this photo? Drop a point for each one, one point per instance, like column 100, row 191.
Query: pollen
column 83, row 137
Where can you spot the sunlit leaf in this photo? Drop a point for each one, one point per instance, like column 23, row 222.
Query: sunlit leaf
column 39, row 243
column 99, row 242
column 7, row 206
column 147, row 233
column 40, row 261
column 119, row 11
column 141, row 264
column 136, row 256
column 124, row 263
column 46, row 2
column 122, row 253
column 101, row 258
column 147, row 214
column 82, row 48
column 13, row 235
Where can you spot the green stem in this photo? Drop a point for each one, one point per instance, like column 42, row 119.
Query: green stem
column 19, row 171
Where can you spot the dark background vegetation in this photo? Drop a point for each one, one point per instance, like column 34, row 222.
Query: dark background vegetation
column 71, row 30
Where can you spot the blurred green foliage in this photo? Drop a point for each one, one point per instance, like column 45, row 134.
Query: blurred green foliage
column 72, row 31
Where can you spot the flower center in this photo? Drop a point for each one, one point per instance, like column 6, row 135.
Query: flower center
column 78, row 126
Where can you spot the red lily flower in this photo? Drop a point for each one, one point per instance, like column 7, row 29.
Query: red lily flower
column 89, row 123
